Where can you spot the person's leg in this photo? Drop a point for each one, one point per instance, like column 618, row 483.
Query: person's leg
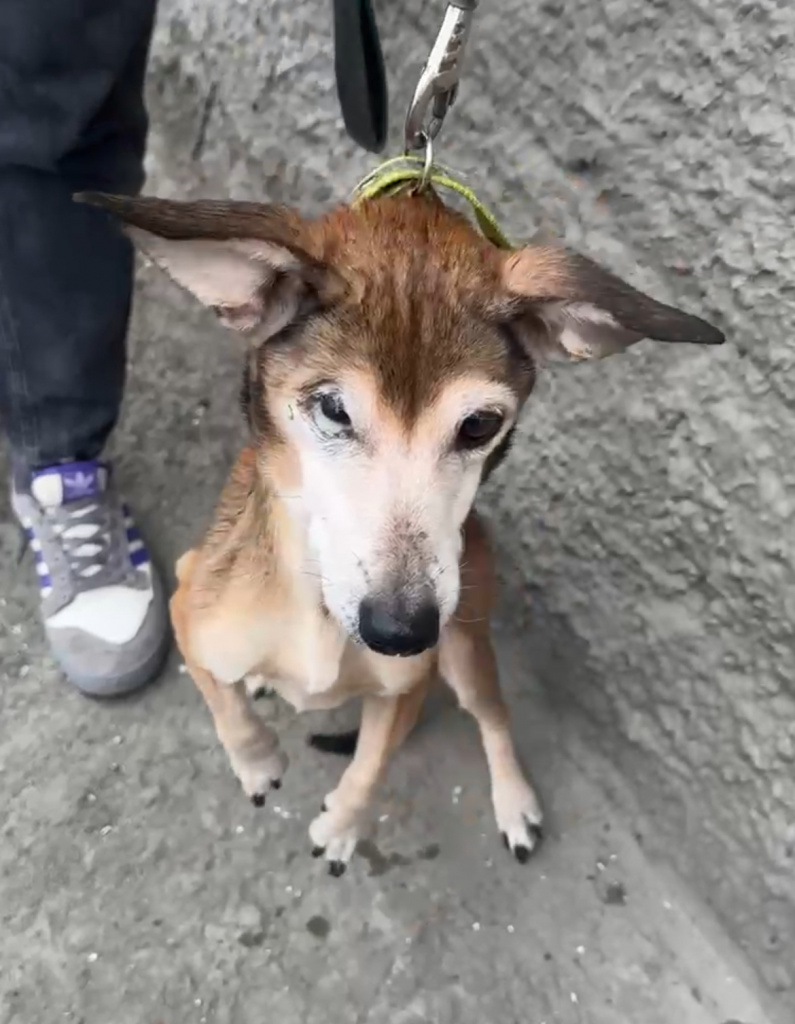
column 72, row 118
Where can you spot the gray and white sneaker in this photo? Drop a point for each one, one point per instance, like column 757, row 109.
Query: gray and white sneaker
column 102, row 601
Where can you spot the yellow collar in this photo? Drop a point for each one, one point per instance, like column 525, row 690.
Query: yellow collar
column 402, row 172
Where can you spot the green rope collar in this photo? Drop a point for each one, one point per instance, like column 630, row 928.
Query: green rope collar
column 406, row 172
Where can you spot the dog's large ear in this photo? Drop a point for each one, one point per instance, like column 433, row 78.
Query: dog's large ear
column 567, row 307
column 243, row 260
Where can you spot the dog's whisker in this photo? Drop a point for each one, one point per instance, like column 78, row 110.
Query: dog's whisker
column 287, row 497
column 316, row 576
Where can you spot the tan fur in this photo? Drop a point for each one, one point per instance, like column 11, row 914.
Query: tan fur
column 420, row 321
column 243, row 607
column 250, row 605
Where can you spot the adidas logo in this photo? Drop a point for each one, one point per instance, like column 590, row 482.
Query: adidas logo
column 79, row 484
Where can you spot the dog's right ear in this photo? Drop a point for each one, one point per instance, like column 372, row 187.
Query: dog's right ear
column 243, row 260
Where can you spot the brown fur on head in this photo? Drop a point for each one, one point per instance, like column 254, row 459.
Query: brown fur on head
column 392, row 348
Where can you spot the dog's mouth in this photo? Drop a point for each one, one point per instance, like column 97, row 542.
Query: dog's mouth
column 390, row 651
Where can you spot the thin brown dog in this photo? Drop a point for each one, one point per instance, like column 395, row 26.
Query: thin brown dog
column 391, row 351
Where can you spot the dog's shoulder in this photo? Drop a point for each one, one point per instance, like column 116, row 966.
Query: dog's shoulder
column 240, row 540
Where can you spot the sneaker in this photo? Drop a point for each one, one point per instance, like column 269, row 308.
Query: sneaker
column 102, row 601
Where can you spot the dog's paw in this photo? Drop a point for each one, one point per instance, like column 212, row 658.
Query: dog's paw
column 519, row 817
column 259, row 767
column 334, row 836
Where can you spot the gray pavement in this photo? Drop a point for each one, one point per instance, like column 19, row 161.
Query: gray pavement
column 649, row 501
column 138, row 886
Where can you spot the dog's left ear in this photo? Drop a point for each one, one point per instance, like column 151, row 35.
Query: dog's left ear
column 243, row 260
column 566, row 306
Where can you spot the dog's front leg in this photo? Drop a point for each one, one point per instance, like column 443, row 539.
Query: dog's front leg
column 468, row 664
column 386, row 721
column 253, row 749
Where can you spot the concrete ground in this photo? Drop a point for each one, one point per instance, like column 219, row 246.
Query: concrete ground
column 138, row 886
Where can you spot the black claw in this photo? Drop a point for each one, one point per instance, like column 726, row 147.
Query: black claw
column 337, row 868
column 259, row 693
column 258, row 800
column 505, row 842
column 276, row 784
column 522, row 854
column 323, row 808
column 536, row 832
column 318, row 851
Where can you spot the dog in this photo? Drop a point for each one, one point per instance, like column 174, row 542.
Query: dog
column 391, row 349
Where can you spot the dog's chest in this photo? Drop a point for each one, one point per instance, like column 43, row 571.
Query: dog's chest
column 333, row 670
column 301, row 654
column 295, row 649
column 247, row 634
column 324, row 670
column 306, row 671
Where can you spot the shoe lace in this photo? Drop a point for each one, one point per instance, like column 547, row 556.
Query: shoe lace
column 84, row 530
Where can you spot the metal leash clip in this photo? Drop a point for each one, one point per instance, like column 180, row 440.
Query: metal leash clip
column 438, row 85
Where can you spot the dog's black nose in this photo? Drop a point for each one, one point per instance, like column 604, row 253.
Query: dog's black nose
column 389, row 625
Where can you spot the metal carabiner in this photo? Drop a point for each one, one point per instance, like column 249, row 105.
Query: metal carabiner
column 438, row 84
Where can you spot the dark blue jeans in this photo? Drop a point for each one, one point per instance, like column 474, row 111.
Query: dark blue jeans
column 72, row 117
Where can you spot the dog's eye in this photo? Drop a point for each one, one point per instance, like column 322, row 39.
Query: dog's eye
column 332, row 409
column 478, row 429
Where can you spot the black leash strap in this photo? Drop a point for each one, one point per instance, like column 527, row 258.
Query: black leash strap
column 361, row 78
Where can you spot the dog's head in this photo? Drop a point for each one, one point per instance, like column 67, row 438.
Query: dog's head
column 391, row 351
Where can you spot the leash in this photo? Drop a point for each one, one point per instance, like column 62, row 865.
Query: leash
column 437, row 87
column 434, row 95
column 360, row 74
column 361, row 77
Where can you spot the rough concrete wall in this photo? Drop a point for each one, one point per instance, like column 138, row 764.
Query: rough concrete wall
column 647, row 504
